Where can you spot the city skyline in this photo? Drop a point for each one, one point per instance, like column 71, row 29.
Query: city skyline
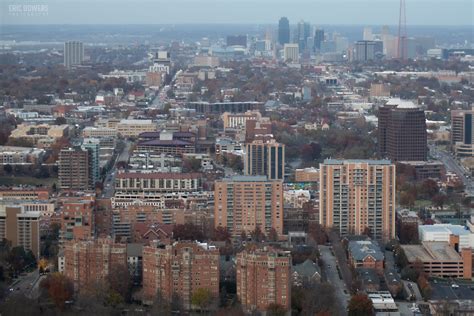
column 457, row 12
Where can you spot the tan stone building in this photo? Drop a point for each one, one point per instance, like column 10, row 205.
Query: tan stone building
column 180, row 269
column 264, row 278
column 358, row 196
column 244, row 202
column 20, row 227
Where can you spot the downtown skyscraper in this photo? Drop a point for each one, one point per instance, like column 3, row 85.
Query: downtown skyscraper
column 284, row 31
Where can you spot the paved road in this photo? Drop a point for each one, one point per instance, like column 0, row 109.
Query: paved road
column 26, row 284
column 109, row 181
column 332, row 276
column 453, row 166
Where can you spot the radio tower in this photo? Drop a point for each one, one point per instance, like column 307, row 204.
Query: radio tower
column 402, row 51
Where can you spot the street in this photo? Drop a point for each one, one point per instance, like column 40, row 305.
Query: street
column 453, row 166
column 109, row 181
column 330, row 271
column 28, row 285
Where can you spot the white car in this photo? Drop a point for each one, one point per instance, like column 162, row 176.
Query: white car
column 454, row 286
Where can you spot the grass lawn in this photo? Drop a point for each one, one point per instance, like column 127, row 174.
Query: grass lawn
column 422, row 203
column 12, row 181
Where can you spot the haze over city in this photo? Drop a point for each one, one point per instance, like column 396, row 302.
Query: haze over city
column 237, row 158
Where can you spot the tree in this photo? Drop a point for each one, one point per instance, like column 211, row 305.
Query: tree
column 120, row 282
column 257, row 235
column 360, row 305
column 311, row 152
column 191, row 165
column 202, row 298
column 59, row 288
column 221, row 234
column 188, row 231
column 429, row 188
column 276, row 310
column 273, row 235
column 439, row 200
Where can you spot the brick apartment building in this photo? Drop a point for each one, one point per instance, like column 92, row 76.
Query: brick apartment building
column 90, row 261
column 244, row 202
column 77, row 219
column 180, row 268
column 263, row 278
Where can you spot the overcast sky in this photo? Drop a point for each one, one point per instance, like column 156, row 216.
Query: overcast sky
column 361, row 12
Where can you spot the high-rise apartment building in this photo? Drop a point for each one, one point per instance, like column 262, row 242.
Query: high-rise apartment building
column 265, row 158
column 180, row 269
column 73, row 53
column 291, row 52
column 462, row 132
column 20, row 227
column 358, row 196
column 74, row 170
column 264, row 278
column 283, row 31
column 91, row 261
column 364, row 51
column 244, row 202
column 402, row 132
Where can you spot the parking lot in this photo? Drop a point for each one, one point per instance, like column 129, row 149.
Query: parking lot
column 447, row 291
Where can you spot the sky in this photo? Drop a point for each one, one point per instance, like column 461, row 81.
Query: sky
column 347, row 12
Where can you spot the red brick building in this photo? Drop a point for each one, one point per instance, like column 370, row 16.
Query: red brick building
column 91, row 261
column 77, row 219
column 264, row 278
column 180, row 268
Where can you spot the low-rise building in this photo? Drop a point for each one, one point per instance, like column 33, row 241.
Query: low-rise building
column 307, row 175
column 366, row 254
column 440, row 259
column 133, row 128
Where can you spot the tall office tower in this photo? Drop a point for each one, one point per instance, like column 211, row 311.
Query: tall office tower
column 90, row 262
column 402, row 131
column 462, row 132
column 244, row 202
column 364, row 50
column 73, row 54
column 318, row 38
column 358, row 195
column 73, row 173
column 263, row 278
column 180, row 270
column 302, row 34
column 283, row 31
column 368, row 36
column 265, row 158
column 20, row 227
column 93, row 146
column 291, row 52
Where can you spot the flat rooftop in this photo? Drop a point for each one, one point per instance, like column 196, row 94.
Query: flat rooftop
column 349, row 161
column 445, row 228
column 431, row 251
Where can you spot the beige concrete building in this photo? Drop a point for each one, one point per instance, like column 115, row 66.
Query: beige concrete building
column 40, row 133
column 244, row 202
column 357, row 196
column 133, row 128
column 238, row 120
column 439, row 258
column 307, row 175
column 20, row 227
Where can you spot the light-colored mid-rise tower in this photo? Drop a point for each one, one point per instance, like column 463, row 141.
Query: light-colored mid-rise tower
column 73, row 53
column 357, row 197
